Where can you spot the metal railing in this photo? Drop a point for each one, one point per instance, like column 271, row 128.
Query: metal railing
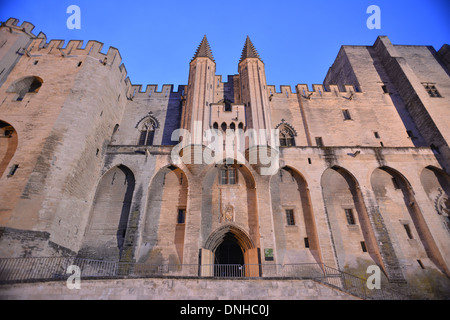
column 13, row 270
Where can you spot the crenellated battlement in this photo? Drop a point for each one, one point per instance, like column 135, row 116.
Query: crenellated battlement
column 151, row 91
column 27, row 27
column 93, row 48
column 318, row 91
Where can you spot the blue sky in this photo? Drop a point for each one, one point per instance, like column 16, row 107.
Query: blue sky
column 297, row 40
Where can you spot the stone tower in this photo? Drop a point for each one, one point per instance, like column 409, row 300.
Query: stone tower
column 253, row 88
column 200, row 92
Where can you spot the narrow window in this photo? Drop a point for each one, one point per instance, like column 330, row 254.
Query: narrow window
column 13, row 170
column 376, row 134
column 79, row 64
column 223, row 176
column 381, row 143
column 346, row 114
column 319, row 141
column 363, row 246
column 147, row 133
column 181, row 216
column 309, row 160
column 35, row 62
column 408, row 231
column 231, row 176
column 290, row 217
column 420, row 264
column 349, row 215
column 223, row 126
column 306, row 242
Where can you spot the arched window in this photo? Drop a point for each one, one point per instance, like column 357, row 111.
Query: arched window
column 147, row 134
column 24, row 86
column 241, row 125
column 224, row 126
column 232, row 126
column 286, row 136
column 216, row 126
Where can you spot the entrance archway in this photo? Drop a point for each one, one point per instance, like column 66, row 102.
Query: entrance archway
column 229, row 252
column 229, row 258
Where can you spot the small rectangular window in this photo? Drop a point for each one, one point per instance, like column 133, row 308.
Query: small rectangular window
column 385, row 90
column 349, row 216
column 306, row 242
column 309, row 160
column 346, row 114
column 363, row 246
column 376, row 134
column 319, row 141
column 181, row 216
column 408, row 231
column 431, row 90
column 290, row 217
column 223, row 176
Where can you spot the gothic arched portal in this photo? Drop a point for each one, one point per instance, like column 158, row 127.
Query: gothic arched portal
column 229, row 252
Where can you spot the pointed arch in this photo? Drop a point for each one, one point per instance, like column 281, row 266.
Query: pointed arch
column 216, row 237
column 106, row 230
column 287, row 134
column 290, row 196
column 352, row 233
column 147, row 128
column 396, row 199
column 167, row 213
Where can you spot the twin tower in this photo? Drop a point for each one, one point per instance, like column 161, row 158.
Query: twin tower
column 241, row 103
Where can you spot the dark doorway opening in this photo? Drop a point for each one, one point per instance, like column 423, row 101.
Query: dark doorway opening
column 229, row 258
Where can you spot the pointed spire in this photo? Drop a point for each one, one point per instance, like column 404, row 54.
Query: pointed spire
column 204, row 50
column 249, row 50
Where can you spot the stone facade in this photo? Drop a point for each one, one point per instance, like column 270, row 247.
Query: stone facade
column 357, row 174
column 176, row 289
